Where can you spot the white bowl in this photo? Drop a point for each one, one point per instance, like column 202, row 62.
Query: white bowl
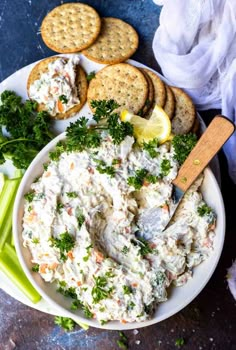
column 179, row 297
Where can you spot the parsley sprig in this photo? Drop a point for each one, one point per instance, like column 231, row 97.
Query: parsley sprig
column 141, row 176
column 81, row 137
column 151, row 147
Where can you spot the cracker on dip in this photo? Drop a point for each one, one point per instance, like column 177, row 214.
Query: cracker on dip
column 121, row 82
column 59, row 85
column 116, row 42
column 70, row 27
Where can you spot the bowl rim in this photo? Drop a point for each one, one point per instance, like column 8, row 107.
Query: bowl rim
column 112, row 325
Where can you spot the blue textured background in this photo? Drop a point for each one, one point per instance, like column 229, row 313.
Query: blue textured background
column 209, row 321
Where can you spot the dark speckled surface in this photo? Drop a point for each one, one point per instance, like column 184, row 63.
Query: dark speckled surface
column 209, row 321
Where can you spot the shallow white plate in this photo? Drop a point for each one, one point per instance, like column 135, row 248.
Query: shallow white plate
column 17, row 82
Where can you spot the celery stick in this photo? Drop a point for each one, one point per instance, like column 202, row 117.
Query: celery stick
column 6, row 204
column 10, row 265
column 2, row 181
column 18, row 173
column 12, row 240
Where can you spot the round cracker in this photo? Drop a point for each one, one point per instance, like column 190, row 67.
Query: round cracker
column 116, row 42
column 149, row 101
column 121, row 82
column 159, row 88
column 70, row 27
column 81, row 84
column 185, row 112
column 196, row 126
column 169, row 107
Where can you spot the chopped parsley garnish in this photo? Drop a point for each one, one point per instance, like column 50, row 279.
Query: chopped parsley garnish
column 125, row 250
column 131, row 305
column 63, row 99
column 183, row 145
column 76, row 304
column 65, row 243
column 71, row 194
column 127, row 290
column 90, row 76
column 29, row 196
column 80, row 218
column 80, row 137
column 165, row 167
column 143, row 245
column 29, row 208
column 179, row 342
column 103, row 322
column 137, row 180
column 150, row 147
column 45, row 166
column 35, row 268
column 123, row 341
column 160, row 278
column 152, row 179
column 59, row 207
column 99, row 290
column 116, row 161
column 35, row 240
column 141, row 177
column 102, row 168
column 59, row 149
column 65, row 322
column 67, row 292
column 85, row 258
column 109, row 274
column 204, row 210
column 87, row 312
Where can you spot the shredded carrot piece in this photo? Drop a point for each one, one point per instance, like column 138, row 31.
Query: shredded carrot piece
column 134, row 284
column 70, row 255
column 72, row 165
column 99, row 256
column 60, row 106
column 42, row 268
column 79, row 283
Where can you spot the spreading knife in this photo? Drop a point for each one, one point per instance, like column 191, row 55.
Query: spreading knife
column 211, row 141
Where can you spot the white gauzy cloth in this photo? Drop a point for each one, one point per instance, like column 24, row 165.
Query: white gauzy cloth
column 195, row 46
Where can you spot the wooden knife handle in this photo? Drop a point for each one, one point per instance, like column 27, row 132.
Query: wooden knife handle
column 217, row 133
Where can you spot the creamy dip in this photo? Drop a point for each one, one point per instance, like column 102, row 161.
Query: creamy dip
column 112, row 270
column 56, row 88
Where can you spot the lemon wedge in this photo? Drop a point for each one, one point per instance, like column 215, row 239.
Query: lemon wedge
column 158, row 126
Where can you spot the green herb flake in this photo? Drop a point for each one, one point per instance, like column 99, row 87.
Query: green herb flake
column 59, row 208
column 76, row 304
column 35, row 268
column 71, row 194
column 65, row 322
column 56, row 153
column 100, row 290
column 80, row 219
column 63, row 99
column 65, row 243
column 87, row 312
column 102, row 322
column 102, row 168
column 150, row 147
column 143, row 245
column 179, row 342
column 125, row 250
column 29, row 196
column 165, row 167
column 127, row 290
column 204, row 210
column 35, row 240
column 137, row 180
column 123, row 341
column 90, row 76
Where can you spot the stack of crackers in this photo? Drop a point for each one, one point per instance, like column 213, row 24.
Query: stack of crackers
column 77, row 27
